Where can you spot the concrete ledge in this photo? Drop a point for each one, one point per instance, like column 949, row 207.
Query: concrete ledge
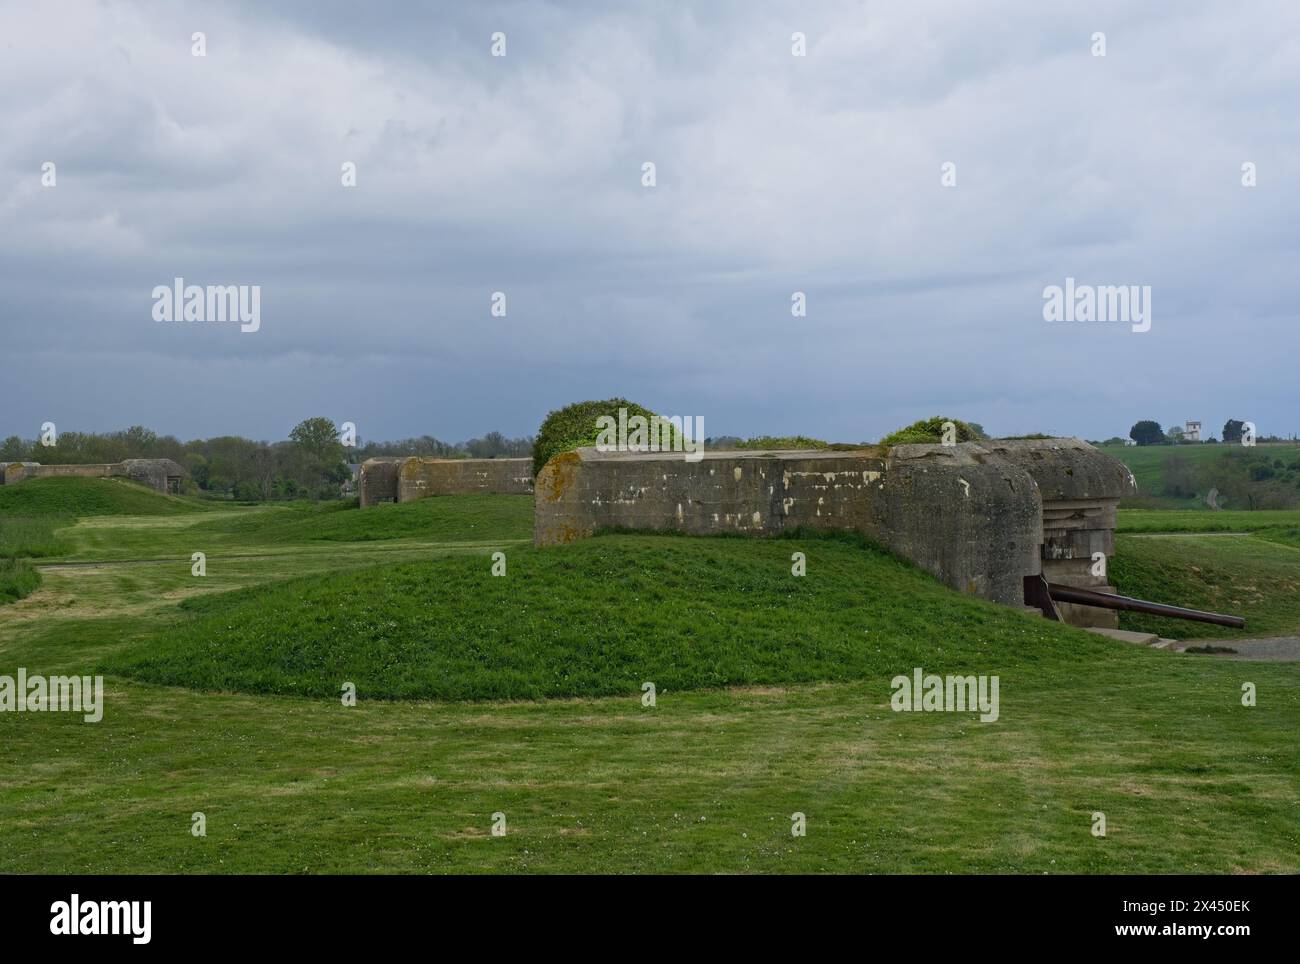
column 1126, row 636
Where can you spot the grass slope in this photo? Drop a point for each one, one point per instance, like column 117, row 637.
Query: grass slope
column 1241, row 575
column 597, row 618
column 1211, row 465
column 1283, row 536
column 1147, row 462
column 70, row 497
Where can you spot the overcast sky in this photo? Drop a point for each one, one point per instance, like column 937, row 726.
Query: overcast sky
column 523, row 174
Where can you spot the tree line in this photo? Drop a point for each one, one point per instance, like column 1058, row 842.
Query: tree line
column 312, row 463
column 1149, row 432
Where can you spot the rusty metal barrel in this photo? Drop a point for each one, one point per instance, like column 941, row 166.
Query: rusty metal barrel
column 1105, row 600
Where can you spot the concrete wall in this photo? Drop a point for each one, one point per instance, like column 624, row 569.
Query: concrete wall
column 979, row 516
column 420, row 477
column 971, row 519
column 377, row 482
column 401, row 480
column 158, row 474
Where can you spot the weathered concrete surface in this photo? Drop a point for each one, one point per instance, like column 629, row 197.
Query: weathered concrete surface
column 377, row 482
column 163, row 475
column 1080, row 489
column 11, row 472
column 971, row 519
column 401, row 480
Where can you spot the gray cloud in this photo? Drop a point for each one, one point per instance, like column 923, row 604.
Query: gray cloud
column 521, row 174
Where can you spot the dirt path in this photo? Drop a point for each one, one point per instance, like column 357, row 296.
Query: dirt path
column 354, row 550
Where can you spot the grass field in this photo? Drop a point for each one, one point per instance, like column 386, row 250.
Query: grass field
column 1206, row 520
column 772, row 697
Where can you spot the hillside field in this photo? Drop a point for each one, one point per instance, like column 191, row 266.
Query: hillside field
column 523, row 695
column 1179, row 476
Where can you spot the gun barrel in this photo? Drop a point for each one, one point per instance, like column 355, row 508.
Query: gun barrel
column 1105, row 600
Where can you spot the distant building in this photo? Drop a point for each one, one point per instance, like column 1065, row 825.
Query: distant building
column 1192, row 432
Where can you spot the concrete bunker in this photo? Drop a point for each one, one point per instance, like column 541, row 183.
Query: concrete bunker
column 415, row 477
column 161, row 475
column 980, row 516
column 1080, row 489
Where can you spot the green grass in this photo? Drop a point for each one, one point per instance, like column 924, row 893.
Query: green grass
column 1283, row 536
column 1239, row 575
column 1206, row 520
column 335, row 530
column 32, row 535
column 446, row 518
column 593, row 619
column 17, row 579
column 71, row 497
column 704, row 781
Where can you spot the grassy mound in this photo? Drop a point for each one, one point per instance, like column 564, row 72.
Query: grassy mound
column 793, row 442
column 17, row 579
column 1255, row 577
column 930, row 431
column 451, row 518
column 71, row 497
column 574, row 426
column 599, row 617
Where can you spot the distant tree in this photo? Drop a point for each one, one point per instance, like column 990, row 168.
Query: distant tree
column 1232, row 429
column 198, row 468
column 424, row 445
column 139, row 441
column 14, row 449
column 318, row 438
column 1175, row 434
column 319, row 454
column 1147, row 432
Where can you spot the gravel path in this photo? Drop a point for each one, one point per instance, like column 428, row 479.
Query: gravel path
column 1274, row 648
